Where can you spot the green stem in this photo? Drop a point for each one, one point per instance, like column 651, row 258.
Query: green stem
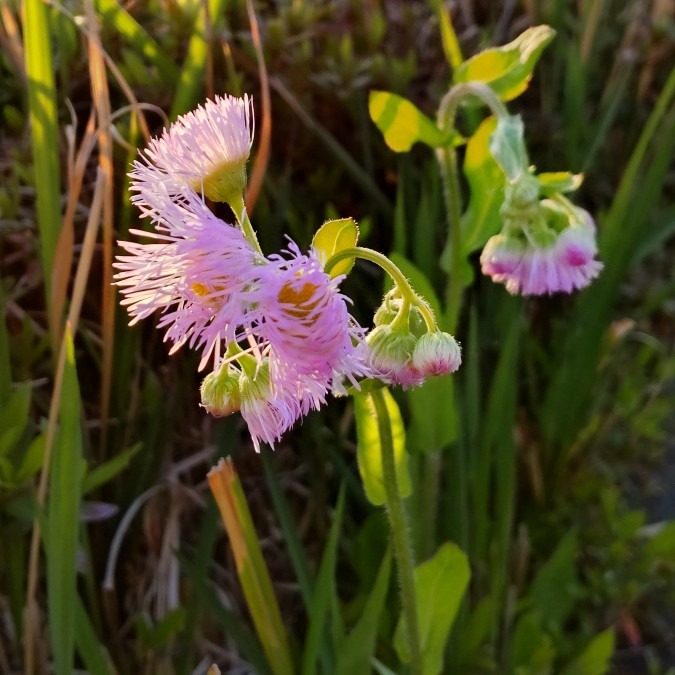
column 246, row 226
column 392, row 270
column 400, row 535
column 447, row 159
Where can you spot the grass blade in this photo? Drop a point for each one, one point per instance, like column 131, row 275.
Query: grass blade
column 63, row 519
column 44, row 133
column 251, row 568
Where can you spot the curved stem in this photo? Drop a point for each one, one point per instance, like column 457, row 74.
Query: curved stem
column 392, row 270
column 398, row 522
column 447, row 110
column 447, row 159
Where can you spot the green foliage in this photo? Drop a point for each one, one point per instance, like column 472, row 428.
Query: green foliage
column 333, row 237
column 441, row 583
column 402, row 124
column 507, row 69
column 369, row 448
column 524, row 458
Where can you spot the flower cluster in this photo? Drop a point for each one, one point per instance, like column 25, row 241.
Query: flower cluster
column 405, row 345
column 545, row 246
column 276, row 329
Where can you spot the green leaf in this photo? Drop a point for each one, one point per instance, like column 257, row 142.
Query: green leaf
column 595, row 659
column 359, row 647
column 553, row 590
column 108, row 470
column 440, row 584
column 14, row 417
column 434, row 415
column 63, row 518
column 486, row 181
column 369, row 452
column 532, row 648
column 507, row 69
column 507, row 146
column 402, row 123
column 32, row 459
column 335, row 236
column 559, row 181
column 451, row 48
column 323, row 590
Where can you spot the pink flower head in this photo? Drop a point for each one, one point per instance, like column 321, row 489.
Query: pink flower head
column 305, row 320
column 268, row 408
column 212, row 141
column 436, row 353
column 541, row 259
column 501, row 257
column 197, row 272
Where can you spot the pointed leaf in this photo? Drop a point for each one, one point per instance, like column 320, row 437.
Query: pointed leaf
column 553, row 590
column 63, row 518
column 335, row 236
column 369, row 452
column 359, row 647
column 507, row 69
column 402, row 123
column 14, row 417
column 440, row 583
column 559, row 181
column 595, row 659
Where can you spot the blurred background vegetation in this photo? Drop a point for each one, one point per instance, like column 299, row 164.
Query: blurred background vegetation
column 557, row 477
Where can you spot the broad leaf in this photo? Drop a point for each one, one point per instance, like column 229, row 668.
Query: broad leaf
column 335, row 236
column 486, row 184
column 507, row 69
column 369, row 450
column 440, row 584
column 402, row 123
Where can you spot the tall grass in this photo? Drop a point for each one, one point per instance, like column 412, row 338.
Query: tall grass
column 111, row 420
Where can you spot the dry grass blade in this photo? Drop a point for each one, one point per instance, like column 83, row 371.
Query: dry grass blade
column 263, row 155
column 10, row 39
column 101, row 98
column 63, row 256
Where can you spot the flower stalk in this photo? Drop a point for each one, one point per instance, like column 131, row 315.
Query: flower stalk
column 398, row 522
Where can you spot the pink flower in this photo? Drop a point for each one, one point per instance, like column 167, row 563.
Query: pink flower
column 268, row 408
column 198, row 272
column 305, row 319
column 501, row 257
column 206, row 144
column 545, row 262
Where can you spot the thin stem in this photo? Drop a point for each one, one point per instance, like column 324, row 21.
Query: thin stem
column 247, row 229
column 447, row 159
column 398, row 521
column 392, row 270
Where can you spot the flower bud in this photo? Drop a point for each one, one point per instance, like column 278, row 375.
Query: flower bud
column 220, row 392
column 436, row 353
column 390, row 357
